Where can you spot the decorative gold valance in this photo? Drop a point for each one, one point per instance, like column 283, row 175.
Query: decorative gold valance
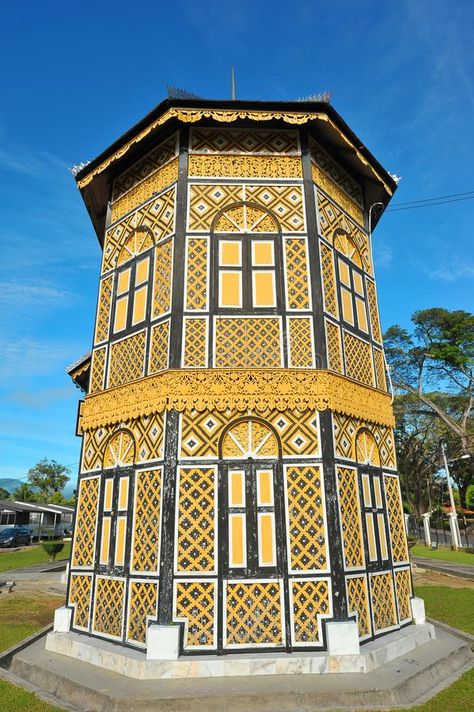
column 253, row 389
column 228, row 116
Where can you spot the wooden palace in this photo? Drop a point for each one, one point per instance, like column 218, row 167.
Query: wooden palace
column 238, row 475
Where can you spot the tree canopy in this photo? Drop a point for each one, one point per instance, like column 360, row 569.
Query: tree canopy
column 48, row 477
column 433, row 365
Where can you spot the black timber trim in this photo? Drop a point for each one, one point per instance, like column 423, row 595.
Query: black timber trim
column 168, row 509
column 313, row 255
column 336, row 551
column 177, row 298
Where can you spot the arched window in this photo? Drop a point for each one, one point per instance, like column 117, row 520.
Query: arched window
column 367, row 451
column 247, row 260
column 352, row 293
column 132, row 285
column 249, row 438
column 119, row 450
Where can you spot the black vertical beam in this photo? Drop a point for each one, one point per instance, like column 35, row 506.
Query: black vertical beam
column 336, row 550
column 177, row 303
column 168, row 508
column 313, row 253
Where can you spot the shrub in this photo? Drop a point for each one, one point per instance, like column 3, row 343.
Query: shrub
column 53, row 548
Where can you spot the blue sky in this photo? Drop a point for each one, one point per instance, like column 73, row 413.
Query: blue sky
column 77, row 75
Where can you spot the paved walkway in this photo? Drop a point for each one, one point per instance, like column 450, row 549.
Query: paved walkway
column 446, row 567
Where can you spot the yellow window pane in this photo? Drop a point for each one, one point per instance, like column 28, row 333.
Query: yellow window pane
column 141, row 275
column 120, row 320
column 262, row 253
column 266, row 543
column 105, row 541
column 123, row 281
column 264, row 289
column 139, row 304
column 366, row 490
column 236, row 488
column 237, row 540
column 344, row 274
column 264, row 487
column 230, row 289
column 382, row 536
column 371, row 537
column 347, row 312
column 120, row 541
column 361, row 315
column 358, row 283
column 109, row 486
column 123, row 493
column 378, row 492
column 230, row 253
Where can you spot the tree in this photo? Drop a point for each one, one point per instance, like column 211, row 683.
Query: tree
column 48, row 477
column 24, row 493
column 435, row 365
column 4, row 494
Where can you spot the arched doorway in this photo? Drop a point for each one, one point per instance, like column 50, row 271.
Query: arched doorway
column 252, row 538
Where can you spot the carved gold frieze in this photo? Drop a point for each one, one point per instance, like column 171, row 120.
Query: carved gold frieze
column 220, row 389
column 140, row 193
column 228, row 116
column 336, row 193
column 210, row 166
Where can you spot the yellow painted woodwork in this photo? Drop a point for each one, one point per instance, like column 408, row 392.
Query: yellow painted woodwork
column 358, row 283
column 382, row 536
column 237, row 533
column 265, row 487
column 347, row 312
column 123, row 281
column 371, row 537
column 230, row 253
column 237, row 488
column 120, row 537
column 123, row 493
column 121, row 308
column 378, row 492
column 262, row 253
column 344, row 274
column 361, row 315
column 141, row 274
column 264, row 289
column 105, row 541
column 139, row 304
column 109, row 488
column 367, row 451
column 230, row 292
column 366, row 490
column 266, row 539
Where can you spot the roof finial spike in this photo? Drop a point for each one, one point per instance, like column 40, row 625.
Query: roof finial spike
column 233, row 93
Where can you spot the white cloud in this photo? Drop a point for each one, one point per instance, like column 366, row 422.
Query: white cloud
column 452, row 273
column 26, row 357
column 15, row 294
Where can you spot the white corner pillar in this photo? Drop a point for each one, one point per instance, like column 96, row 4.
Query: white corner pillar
column 406, row 518
column 62, row 620
column 454, row 528
column 162, row 642
column 342, row 638
column 426, row 528
column 418, row 610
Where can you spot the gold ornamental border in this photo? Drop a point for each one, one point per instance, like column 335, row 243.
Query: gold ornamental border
column 228, row 116
column 243, row 390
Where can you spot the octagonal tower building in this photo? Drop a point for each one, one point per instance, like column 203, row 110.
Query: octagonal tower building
column 238, row 480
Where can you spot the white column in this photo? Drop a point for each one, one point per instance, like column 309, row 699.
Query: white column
column 426, row 528
column 406, row 517
column 454, row 527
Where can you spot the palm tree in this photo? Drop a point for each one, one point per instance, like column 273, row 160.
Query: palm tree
column 24, row 493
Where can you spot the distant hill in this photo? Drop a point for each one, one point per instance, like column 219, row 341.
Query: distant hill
column 9, row 483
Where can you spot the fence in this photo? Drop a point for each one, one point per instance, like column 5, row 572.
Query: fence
column 440, row 529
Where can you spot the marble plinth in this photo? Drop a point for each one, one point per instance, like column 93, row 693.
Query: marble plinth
column 134, row 663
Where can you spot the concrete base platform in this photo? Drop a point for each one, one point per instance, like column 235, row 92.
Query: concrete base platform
column 407, row 680
column 133, row 663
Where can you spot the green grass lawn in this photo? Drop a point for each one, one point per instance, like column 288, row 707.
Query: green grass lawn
column 458, row 557
column 453, row 606
column 34, row 554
